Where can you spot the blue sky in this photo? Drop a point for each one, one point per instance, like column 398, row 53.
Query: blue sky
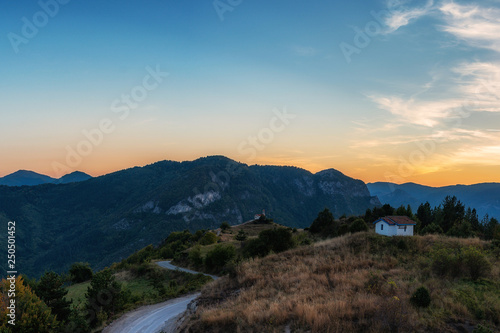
column 407, row 94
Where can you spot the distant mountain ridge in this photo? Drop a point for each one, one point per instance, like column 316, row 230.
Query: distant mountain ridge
column 105, row 219
column 484, row 197
column 30, row 178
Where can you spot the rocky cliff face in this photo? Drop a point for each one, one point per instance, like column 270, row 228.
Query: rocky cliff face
column 106, row 218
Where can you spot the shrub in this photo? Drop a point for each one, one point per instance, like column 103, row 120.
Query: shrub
column 277, row 239
column 241, row 236
column 475, row 263
column 446, row 262
column 358, row 225
column 208, row 238
column 80, row 272
column 195, row 256
column 421, row 297
column 432, row 228
column 225, row 226
column 219, row 256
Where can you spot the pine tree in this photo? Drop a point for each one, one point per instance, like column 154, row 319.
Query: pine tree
column 50, row 289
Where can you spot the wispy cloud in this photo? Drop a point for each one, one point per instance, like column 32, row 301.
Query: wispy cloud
column 401, row 16
column 417, row 112
column 479, row 83
column 478, row 26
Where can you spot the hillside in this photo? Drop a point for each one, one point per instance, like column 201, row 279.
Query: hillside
column 105, row 219
column 358, row 283
column 484, row 197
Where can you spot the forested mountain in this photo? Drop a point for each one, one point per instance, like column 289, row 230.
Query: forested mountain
column 30, row 178
column 104, row 219
column 485, row 197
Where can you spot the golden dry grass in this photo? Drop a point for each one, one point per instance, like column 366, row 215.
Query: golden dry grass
column 353, row 283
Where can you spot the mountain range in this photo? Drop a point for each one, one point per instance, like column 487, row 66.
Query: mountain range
column 485, row 197
column 104, row 219
column 30, row 178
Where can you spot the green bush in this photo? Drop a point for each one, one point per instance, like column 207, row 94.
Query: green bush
column 432, row 228
column 80, row 272
column 468, row 262
column 421, row 298
column 241, row 236
column 358, row 225
column 475, row 263
column 195, row 256
column 219, row 256
column 446, row 261
column 208, row 238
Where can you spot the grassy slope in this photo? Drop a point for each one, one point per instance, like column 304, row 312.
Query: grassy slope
column 137, row 280
column 355, row 283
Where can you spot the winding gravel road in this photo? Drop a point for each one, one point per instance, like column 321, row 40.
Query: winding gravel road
column 152, row 318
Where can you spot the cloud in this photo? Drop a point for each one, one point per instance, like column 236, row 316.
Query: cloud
column 400, row 16
column 477, row 26
column 479, row 83
column 457, row 93
column 417, row 112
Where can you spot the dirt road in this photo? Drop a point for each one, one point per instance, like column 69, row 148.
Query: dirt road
column 152, row 318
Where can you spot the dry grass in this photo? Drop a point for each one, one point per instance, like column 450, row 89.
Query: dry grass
column 353, row 283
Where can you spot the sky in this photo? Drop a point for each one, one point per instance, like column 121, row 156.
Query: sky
column 399, row 91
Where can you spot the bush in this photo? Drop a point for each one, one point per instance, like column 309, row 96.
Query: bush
column 421, row 298
column 80, row 272
column 277, row 239
column 432, row 228
column 195, row 256
column 475, row 263
column 469, row 262
column 208, row 238
column 219, row 256
column 358, row 225
column 255, row 248
column 445, row 262
column 241, row 236
column 225, row 226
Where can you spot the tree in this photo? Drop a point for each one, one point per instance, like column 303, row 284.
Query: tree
column 80, row 272
column 461, row 229
column 424, row 214
column 453, row 212
column 324, row 224
column 32, row 314
column 104, row 297
column 491, row 228
column 51, row 290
